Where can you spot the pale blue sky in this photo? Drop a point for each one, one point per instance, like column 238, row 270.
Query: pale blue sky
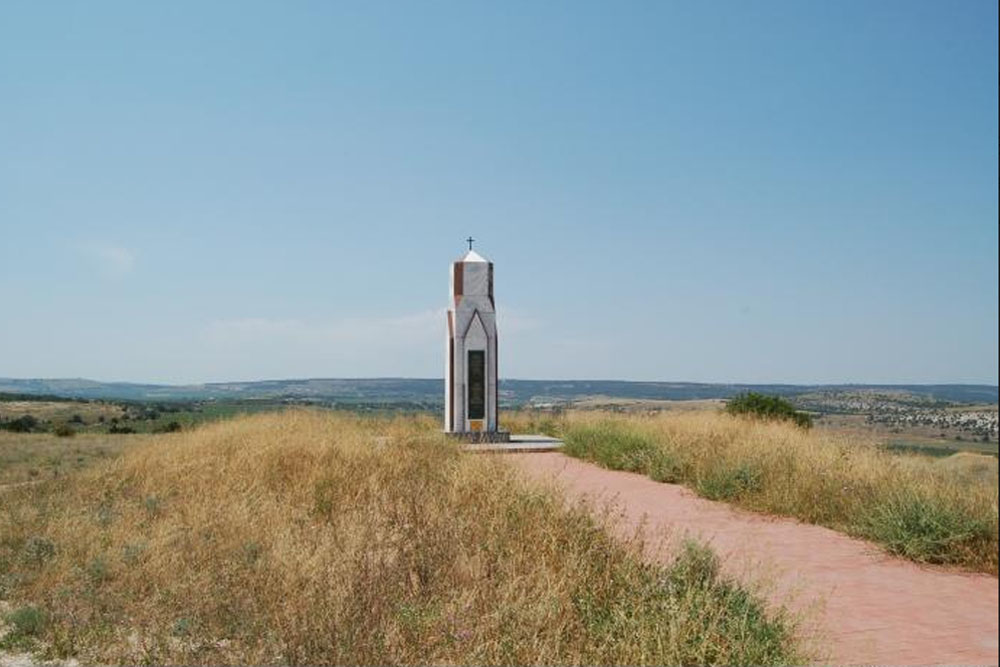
column 793, row 191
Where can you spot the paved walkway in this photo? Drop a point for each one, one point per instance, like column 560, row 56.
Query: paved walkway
column 861, row 605
column 518, row 444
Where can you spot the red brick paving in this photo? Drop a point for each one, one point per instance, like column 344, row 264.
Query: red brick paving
column 861, row 605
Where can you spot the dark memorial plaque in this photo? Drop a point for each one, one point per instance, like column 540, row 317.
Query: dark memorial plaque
column 477, row 384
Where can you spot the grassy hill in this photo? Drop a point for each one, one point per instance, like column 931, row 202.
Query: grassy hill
column 310, row 537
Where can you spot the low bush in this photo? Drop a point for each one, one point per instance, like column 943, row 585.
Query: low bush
column 768, row 407
column 922, row 528
column 22, row 424
column 64, row 431
column 26, row 625
column 611, row 446
column 730, row 482
column 169, row 427
column 618, row 448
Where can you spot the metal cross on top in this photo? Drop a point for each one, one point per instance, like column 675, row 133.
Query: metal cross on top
column 469, row 241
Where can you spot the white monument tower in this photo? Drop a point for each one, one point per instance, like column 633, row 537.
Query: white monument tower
column 470, row 384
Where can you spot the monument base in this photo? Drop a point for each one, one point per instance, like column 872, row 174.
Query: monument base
column 480, row 436
column 519, row 444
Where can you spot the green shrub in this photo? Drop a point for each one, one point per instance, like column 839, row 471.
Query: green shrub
column 736, row 611
column 612, row 446
column 726, row 482
column 664, row 466
column 23, row 424
column 697, row 565
column 182, row 627
column 26, row 624
column 64, row 431
column 549, row 427
column 37, row 550
column 153, row 505
column 615, row 447
column 720, row 621
column 768, row 407
column 98, row 570
column 927, row 531
column 169, row 427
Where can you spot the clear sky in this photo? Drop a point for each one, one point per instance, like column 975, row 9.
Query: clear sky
column 796, row 191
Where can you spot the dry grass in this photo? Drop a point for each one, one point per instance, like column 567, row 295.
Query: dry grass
column 973, row 468
column 32, row 457
column 926, row 510
column 314, row 538
column 646, row 404
column 60, row 410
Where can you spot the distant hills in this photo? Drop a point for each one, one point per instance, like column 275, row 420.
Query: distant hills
column 429, row 392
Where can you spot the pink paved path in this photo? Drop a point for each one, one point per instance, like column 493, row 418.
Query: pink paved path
column 862, row 605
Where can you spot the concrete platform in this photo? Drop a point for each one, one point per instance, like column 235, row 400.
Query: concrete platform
column 519, row 444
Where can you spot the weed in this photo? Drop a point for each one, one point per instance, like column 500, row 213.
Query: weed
column 26, row 625
column 611, row 445
column 37, row 550
column 728, row 483
column 104, row 514
column 153, row 505
column 98, row 571
column 131, row 553
column 182, row 627
column 695, row 566
column 251, row 552
column 924, row 529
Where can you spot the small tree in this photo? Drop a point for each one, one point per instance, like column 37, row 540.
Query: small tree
column 768, row 407
column 23, row 424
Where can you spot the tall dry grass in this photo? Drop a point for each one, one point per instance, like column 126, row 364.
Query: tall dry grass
column 314, row 538
column 916, row 507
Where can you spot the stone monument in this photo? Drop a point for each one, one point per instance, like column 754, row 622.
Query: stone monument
column 471, row 381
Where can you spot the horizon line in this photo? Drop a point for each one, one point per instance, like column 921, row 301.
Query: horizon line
column 509, row 379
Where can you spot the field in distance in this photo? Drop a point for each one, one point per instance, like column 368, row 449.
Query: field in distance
column 900, row 421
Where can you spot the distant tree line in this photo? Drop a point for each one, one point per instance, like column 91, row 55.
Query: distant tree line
column 31, row 424
column 8, row 396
